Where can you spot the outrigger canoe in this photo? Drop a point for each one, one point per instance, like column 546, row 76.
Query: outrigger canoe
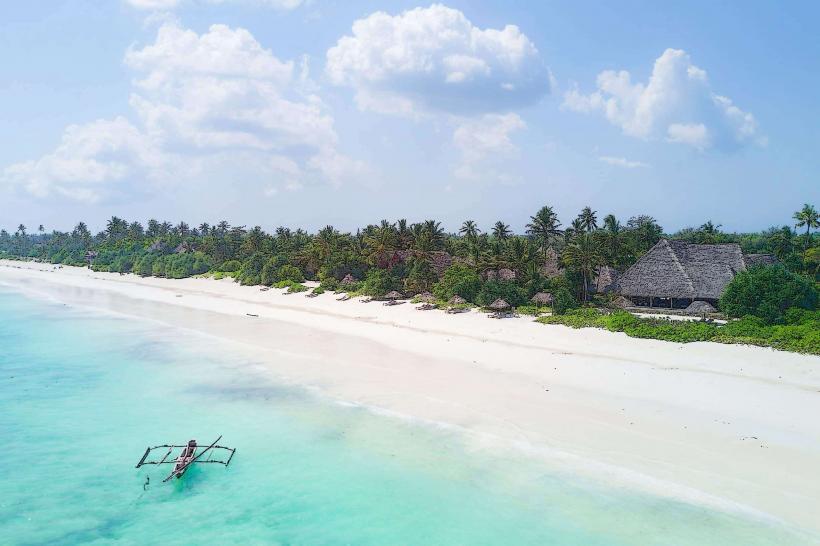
column 190, row 454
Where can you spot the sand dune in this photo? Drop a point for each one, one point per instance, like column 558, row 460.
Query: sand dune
column 714, row 423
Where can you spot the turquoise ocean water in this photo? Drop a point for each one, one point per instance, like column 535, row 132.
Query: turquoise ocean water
column 83, row 394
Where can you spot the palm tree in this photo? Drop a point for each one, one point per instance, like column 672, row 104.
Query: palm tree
column 582, row 254
column 544, row 226
column 808, row 217
column 116, row 228
column 589, row 219
column 470, row 230
column 709, row 232
column 41, row 229
column 21, row 229
column 501, row 230
column 612, row 233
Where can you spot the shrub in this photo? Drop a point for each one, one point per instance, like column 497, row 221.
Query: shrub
column 420, row 277
column 563, row 301
column 508, row 291
column 378, row 282
column 144, row 266
column 231, row 266
column 767, row 292
column 290, row 273
column 251, row 272
column 458, row 280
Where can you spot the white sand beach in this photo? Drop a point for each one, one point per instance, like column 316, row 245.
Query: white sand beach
column 712, row 423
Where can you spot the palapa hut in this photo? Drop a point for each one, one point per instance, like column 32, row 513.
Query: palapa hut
column 700, row 308
column 348, row 280
column 393, row 295
column 674, row 274
column 499, row 305
column 542, row 298
column 457, row 300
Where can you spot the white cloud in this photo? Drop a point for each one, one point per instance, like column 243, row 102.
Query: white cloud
column 622, row 162
column 677, row 103
column 172, row 4
column 89, row 159
column 484, row 141
column 435, row 60
column 204, row 101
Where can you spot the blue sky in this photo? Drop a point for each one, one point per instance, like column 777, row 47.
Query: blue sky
column 304, row 113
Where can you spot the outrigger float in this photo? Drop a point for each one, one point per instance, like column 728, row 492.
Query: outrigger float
column 187, row 457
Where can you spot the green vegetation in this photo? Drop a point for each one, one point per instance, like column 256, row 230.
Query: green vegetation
column 767, row 293
column 800, row 331
column 475, row 265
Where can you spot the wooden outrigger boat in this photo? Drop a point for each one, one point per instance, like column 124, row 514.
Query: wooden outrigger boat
column 189, row 455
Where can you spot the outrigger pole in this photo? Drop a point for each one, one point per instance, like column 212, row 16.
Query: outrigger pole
column 180, row 466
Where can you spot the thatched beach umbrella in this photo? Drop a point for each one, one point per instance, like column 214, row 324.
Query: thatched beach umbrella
column 499, row 305
column 543, row 298
column 393, row 295
column 457, row 300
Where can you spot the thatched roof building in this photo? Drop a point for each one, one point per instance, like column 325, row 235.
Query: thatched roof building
column 348, row 280
column 457, row 300
column 503, row 274
column 676, row 273
column 605, row 280
column 393, row 295
column 552, row 264
column 542, row 298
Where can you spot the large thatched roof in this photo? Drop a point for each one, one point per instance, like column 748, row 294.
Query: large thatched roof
column 499, row 304
column 542, row 298
column 676, row 269
column 457, row 300
column 393, row 295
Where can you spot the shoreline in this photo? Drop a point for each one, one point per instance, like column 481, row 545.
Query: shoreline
column 733, row 422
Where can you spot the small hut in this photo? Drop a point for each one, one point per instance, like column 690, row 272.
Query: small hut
column 542, row 298
column 499, row 305
column 501, row 309
column 457, row 300
column 347, row 280
column 697, row 308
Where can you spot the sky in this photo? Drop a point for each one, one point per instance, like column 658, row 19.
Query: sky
column 305, row 113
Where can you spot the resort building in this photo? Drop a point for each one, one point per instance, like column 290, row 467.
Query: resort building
column 675, row 274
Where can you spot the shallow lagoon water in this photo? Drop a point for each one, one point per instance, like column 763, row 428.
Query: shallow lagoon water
column 83, row 394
